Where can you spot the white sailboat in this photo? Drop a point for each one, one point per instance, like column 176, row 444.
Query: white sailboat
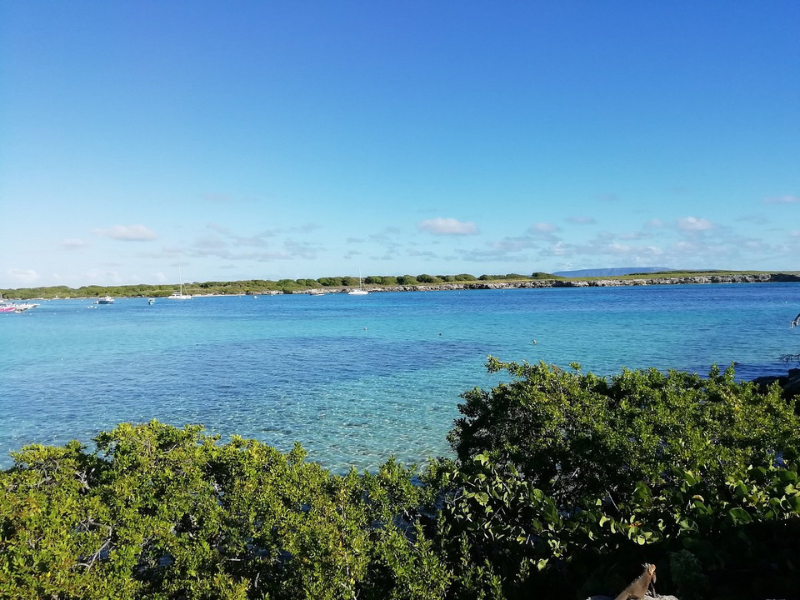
column 360, row 291
column 180, row 295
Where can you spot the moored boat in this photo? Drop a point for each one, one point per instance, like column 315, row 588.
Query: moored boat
column 179, row 295
column 21, row 307
column 360, row 291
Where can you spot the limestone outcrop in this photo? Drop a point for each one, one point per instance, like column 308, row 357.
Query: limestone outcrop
column 582, row 283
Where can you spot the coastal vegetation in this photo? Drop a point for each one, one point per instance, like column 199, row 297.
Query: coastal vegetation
column 561, row 484
column 338, row 283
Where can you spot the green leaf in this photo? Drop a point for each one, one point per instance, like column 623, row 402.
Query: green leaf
column 740, row 516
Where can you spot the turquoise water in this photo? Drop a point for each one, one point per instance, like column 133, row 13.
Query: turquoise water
column 354, row 379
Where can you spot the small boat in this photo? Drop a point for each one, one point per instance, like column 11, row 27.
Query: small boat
column 20, row 308
column 360, row 291
column 7, row 307
column 316, row 293
column 180, row 295
column 105, row 300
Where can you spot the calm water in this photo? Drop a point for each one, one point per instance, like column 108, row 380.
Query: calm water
column 354, row 379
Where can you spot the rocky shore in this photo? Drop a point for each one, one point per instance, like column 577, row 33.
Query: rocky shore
column 790, row 383
column 577, row 283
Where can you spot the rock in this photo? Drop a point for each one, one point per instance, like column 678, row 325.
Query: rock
column 767, row 380
column 790, row 383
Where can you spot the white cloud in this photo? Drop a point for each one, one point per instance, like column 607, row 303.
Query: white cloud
column 788, row 199
column 23, row 275
column 694, row 224
column 654, row 224
column 73, row 244
column 127, row 233
column 442, row 226
column 581, row 220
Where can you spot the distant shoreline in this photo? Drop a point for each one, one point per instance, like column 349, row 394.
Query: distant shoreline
column 258, row 288
column 582, row 283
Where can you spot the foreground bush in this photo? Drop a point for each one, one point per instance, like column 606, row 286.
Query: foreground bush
column 565, row 483
column 167, row 513
column 562, row 485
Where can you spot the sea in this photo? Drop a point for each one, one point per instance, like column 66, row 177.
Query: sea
column 356, row 379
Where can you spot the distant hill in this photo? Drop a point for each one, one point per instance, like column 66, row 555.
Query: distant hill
column 611, row 272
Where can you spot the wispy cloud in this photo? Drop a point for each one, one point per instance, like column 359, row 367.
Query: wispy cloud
column 127, row 233
column 23, row 275
column 426, row 255
column 221, row 229
column 306, row 228
column 73, row 244
column 513, row 244
column 544, row 232
column 389, row 234
column 788, row 199
column 632, row 236
column 257, row 240
column 694, row 224
column 209, row 242
column 219, row 249
column 491, row 255
column 543, row 228
column 302, row 249
column 753, row 219
column 441, row 226
column 581, row 220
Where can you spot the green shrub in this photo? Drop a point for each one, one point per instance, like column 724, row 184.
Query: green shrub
column 161, row 512
column 564, row 482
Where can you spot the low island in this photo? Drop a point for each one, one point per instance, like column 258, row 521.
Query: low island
column 400, row 283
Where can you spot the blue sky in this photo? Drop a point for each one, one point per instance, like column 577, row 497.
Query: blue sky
column 301, row 139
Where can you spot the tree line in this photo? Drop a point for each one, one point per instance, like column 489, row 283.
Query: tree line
column 255, row 286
